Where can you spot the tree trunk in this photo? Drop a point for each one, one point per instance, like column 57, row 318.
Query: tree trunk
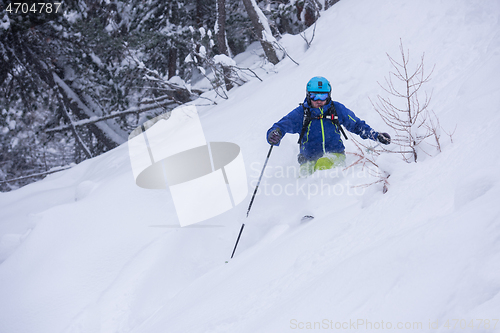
column 221, row 39
column 260, row 24
column 221, row 27
column 199, row 13
column 172, row 62
column 108, row 133
column 309, row 16
column 310, row 11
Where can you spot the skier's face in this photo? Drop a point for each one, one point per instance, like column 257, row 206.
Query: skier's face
column 318, row 103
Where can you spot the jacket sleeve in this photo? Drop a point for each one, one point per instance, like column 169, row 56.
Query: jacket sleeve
column 354, row 124
column 291, row 123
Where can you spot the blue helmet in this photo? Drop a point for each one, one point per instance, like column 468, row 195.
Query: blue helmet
column 318, row 84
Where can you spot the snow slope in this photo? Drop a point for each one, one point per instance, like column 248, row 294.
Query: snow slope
column 85, row 250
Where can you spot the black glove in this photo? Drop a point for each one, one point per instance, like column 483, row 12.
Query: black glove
column 301, row 159
column 384, row 138
column 274, row 136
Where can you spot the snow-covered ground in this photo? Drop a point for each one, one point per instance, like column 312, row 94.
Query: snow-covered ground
column 86, row 250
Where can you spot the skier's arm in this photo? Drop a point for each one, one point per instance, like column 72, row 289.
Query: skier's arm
column 354, row 124
column 291, row 123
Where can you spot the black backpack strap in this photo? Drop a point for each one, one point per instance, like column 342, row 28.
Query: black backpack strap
column 335, row 119
column 305, row 122
column 331, row 114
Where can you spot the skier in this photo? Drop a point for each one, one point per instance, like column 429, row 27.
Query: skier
column 318, row 121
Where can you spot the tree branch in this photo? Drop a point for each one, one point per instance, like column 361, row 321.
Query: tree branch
column 37, row 174
column 94, row 120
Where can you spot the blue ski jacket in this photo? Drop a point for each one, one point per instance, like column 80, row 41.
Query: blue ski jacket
column 322, row 135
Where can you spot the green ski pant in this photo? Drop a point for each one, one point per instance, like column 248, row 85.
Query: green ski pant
column 327, row 161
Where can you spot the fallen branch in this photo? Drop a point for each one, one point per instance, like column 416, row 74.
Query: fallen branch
column 37, row 174
column 93, row 120
column 278, row 45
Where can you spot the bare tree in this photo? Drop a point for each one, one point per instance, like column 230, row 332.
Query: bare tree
column 365, row 157
column 304, row 37
column 409, row 115
column 262, row 30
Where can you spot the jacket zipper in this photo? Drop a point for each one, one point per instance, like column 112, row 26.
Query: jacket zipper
column 323, row 131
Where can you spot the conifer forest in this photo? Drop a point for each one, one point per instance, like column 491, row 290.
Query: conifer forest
column 78, row 76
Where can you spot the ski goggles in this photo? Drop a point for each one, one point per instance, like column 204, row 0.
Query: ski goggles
column 318, row 96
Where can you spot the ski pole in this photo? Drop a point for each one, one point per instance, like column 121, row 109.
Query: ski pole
column 371, row 149
column 251, row 201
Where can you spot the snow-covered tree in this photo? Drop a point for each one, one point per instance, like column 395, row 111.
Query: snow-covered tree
column 262, row 30
column 75, row 81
